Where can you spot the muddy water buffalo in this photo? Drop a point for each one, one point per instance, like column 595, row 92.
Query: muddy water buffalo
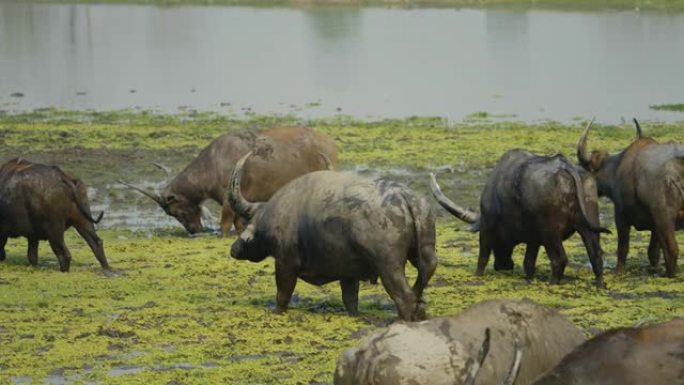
column 40, row 202
column 295, row 151
column 448, row 350
column 332, row 226
column 536, row 200
column 646, row 184
column 652, row 355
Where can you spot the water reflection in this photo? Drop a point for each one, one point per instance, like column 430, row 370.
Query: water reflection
column 368, row 61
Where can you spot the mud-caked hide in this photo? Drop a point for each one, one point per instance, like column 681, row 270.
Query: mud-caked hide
column 442, row 351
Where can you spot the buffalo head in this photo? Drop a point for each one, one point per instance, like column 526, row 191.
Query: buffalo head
column 251, row 244
column 600, row 163
column 188, row 213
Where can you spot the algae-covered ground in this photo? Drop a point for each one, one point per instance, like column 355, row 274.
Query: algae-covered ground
column 182, row 312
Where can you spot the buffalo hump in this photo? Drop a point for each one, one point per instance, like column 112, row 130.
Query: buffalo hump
column 441, row 351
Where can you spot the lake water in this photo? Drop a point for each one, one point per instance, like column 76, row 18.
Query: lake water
column 365, row 62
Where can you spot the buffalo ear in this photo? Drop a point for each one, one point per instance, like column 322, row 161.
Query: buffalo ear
column 170, row 199
column 596, row 160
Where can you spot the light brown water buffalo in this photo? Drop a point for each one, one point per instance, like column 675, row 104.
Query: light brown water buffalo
column 40, row 202
column 294, row 151
column 480, row 345
column 338, row 226
column 538, row 201
column 646, row 184
column 652, row 355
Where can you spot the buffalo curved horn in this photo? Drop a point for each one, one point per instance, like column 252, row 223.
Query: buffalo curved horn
column 241, row 206
column 477, row 364
column 638, row 128
column 327, row 161
column 459, row 212
column 160, row 166
column 155, row 197
column 515, row 365
column 582, row 157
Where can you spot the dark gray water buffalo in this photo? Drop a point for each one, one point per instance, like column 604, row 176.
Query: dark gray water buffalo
column 294, row 151
column 40, row 202
column 536, row 200
column 449, row 350
column 332, row 226
column 646, row 184
column 652, row 355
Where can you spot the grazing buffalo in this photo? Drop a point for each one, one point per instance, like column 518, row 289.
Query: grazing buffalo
column 646, row 184
column 332, row 226
column 652, row 355
column 295, row 151
column 536, row 200
column 480, row 345
column 40, row 202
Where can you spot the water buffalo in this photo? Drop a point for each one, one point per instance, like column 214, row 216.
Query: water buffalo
column 40, row 202
column 295, row 151
column 646, row 184
column 333, row 226
column 478, row 346
column 536, row 200
column 652, row 355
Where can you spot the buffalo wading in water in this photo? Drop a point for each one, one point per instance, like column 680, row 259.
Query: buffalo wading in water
column 488, row 343
column 652, row 355
column 646, row 184
column 40, row 202
column 294, row 151
column 538, row 201
column 338, row 226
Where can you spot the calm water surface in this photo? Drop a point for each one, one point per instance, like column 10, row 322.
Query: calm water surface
column 366, row 62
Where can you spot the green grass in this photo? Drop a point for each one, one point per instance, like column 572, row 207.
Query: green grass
column 183, row 312
column 668, row 107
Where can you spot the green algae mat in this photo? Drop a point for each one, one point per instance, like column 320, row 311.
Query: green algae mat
column 182, row 311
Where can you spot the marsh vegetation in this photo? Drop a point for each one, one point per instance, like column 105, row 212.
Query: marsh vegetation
column 183, row 312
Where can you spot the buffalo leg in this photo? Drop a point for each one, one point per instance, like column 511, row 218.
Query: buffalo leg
column 3, row 242
column 623, row 243
column 530, row 262
column 32, row 253
column 559, row 260
column 593, row 245
column 654, row 250
column 88, row 233
column 668, row 243
column 394, row 281
column 503, row 257
column 485, row 250
column 428, row 259
column 350, row 295
column 286, row 280
column 227, row 218
column 61, row 251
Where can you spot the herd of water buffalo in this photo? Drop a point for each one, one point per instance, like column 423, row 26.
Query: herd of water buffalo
column 279, row 190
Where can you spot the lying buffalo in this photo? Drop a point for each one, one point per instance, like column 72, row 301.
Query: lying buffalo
column 646, row 184
column 449, row 350
column 536, row 200
column 331, row 226
column 295, row 151
column 651, row 355
column 40, row 202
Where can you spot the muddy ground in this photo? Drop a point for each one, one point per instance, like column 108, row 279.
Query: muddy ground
column 182, row 312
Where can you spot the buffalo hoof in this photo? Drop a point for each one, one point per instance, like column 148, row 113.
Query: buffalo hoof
column 2, row 255
column 110, row 273
column 600, row 284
